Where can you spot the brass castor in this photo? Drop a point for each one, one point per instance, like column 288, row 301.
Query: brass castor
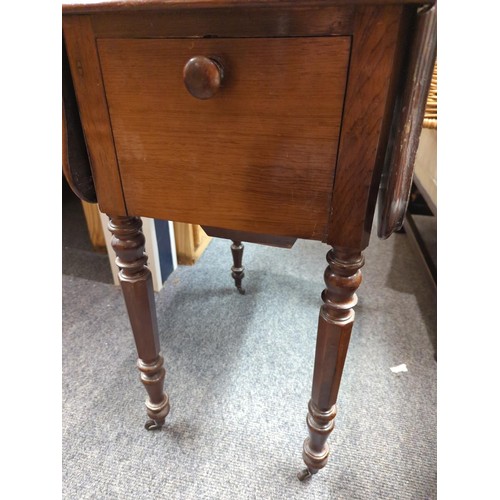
column 305, row 474
column 152, row 425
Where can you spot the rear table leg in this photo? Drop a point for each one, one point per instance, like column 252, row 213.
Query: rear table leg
column 237, row 271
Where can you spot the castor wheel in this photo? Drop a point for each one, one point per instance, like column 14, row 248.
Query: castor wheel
column 304, row 474
column 152, row 425
column 241, row 290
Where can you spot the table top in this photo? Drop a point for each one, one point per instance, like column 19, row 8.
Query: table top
column 84, row 6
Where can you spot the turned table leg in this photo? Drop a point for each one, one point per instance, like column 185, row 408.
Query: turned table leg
column 135, row 279
column 342, row 278
column 237, row 270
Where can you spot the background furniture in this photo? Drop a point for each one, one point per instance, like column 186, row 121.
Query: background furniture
column 94, row 226
column 421, row 217
column 190, row 242
column 283, row 114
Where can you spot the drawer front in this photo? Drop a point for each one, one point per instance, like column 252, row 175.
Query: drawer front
column 258, row 156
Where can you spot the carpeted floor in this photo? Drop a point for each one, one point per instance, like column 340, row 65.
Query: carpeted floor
column 239, row 372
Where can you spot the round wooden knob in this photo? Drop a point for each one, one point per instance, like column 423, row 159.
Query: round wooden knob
column 202, row 77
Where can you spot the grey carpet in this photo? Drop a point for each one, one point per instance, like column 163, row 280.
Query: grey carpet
column 239, row 371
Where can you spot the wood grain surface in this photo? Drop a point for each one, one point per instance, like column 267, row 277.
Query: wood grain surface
column 85, row 71
column 225, row 22
column 409, row 116
column 83, row 6
column 261, row 239
column 259, row 156
column 75, row 159
column 190, row 242
column 336, row 319
column 368, row 113
column 94, row 226
column 128, row 242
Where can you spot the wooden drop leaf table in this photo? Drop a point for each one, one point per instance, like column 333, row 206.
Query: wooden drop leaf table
column 262, row 121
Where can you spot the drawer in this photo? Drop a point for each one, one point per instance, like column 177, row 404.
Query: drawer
column 258, row 156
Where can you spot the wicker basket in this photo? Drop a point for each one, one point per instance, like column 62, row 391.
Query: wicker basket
column 430, row 117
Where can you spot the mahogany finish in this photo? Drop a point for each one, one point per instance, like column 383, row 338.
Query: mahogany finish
column 377, row 35
column 135, row 278
column 87, row 6
column 75, row 160
column 342, row 278
column 297, row 102
column 273, row 21
column 252, row 157
column 262, row 239
column 87, row 81
column 396, row 184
